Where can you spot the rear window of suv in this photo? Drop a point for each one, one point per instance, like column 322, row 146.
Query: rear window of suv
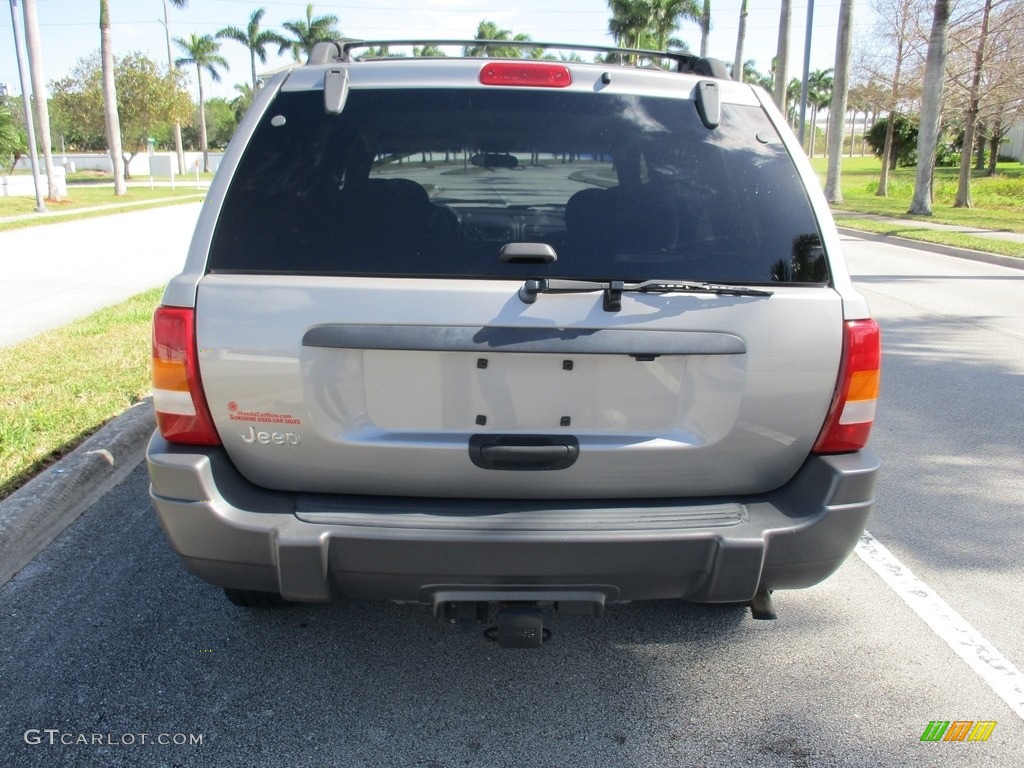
column 434, row 182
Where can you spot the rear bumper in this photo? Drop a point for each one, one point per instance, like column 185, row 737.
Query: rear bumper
column 318, row 548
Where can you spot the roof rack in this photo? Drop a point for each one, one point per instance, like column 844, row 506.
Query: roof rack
column 341, row 51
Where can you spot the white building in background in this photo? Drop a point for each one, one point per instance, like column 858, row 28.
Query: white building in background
column 1013, row 143
column 140, row 168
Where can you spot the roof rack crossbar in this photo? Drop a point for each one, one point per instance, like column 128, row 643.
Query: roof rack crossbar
column 685, row 62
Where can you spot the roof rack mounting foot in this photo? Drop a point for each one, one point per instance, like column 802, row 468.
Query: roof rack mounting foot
column 324, row 53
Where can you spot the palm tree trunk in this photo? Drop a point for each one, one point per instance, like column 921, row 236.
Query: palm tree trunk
column 931, row 103
column 202, row 121
column 111, row 120
column 35, row 66
column 853, row 130
column 26, row 112
column 705, row 28
column 178, row 149
column 737, row 64
column 782, row 58
column 814, row 130
column 252, row 63
column 840, row 93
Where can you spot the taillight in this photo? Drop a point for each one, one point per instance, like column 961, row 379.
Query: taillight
column 181, row 410
column 535, row 74
column 849, row 420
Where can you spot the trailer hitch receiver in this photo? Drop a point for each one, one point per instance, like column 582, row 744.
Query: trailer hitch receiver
column 519, row 627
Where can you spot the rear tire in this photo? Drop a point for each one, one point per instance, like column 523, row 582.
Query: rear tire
column 250, row 598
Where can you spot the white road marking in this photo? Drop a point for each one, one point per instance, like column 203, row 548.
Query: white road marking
column 994, row 668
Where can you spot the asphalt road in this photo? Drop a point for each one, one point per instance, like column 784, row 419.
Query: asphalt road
column 106, row 639
column 65, row 270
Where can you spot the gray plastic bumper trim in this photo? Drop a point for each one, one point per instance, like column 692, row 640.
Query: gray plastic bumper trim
column 591, row 341
column 235, row 534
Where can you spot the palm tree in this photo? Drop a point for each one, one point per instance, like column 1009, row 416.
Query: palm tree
column 705, row 27
column 737, row 63
column 204, row 52
column 255, row 39
column 630, row 22
column 793, row 101
column 837, row 109
column 241, row 103
column 819, row 94
column 751, row 75
column 857, row 102
column 488, row 30
column 35, row 66
column 110, row 117
column 428, row 51
column 665, row 17
column 780, row 92
column 308, row 32
column 648, row 24
column 384, row 52
column 178, row 149
column 931, row 102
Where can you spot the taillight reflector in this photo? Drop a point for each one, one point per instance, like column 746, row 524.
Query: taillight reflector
column 531, row 74
column 848, row 424
column 182, row 414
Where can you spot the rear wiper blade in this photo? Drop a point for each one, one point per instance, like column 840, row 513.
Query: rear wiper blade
column 613, row 289
column 672, row 286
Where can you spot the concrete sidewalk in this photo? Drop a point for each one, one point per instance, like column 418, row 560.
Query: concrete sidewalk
column 898, row 225
column 1015, row 237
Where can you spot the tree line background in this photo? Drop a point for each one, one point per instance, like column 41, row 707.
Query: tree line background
column 872, row 100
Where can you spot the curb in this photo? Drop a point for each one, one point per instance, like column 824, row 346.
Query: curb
column 942, row 250
column 35, row 514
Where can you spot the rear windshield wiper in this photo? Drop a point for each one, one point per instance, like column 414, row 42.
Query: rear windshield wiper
column 613, row 289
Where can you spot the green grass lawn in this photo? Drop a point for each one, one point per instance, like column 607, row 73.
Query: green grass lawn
column 87, row 197
column 998, row 204
column 84, row 202
column 912, row 232
column 61, row 386
column 998, row 200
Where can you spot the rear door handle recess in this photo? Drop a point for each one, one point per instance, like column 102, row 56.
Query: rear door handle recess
column 523, row 452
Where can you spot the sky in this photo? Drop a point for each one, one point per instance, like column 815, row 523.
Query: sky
column 69, row 28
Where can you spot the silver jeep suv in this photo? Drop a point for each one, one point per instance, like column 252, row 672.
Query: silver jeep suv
column 526, row 332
